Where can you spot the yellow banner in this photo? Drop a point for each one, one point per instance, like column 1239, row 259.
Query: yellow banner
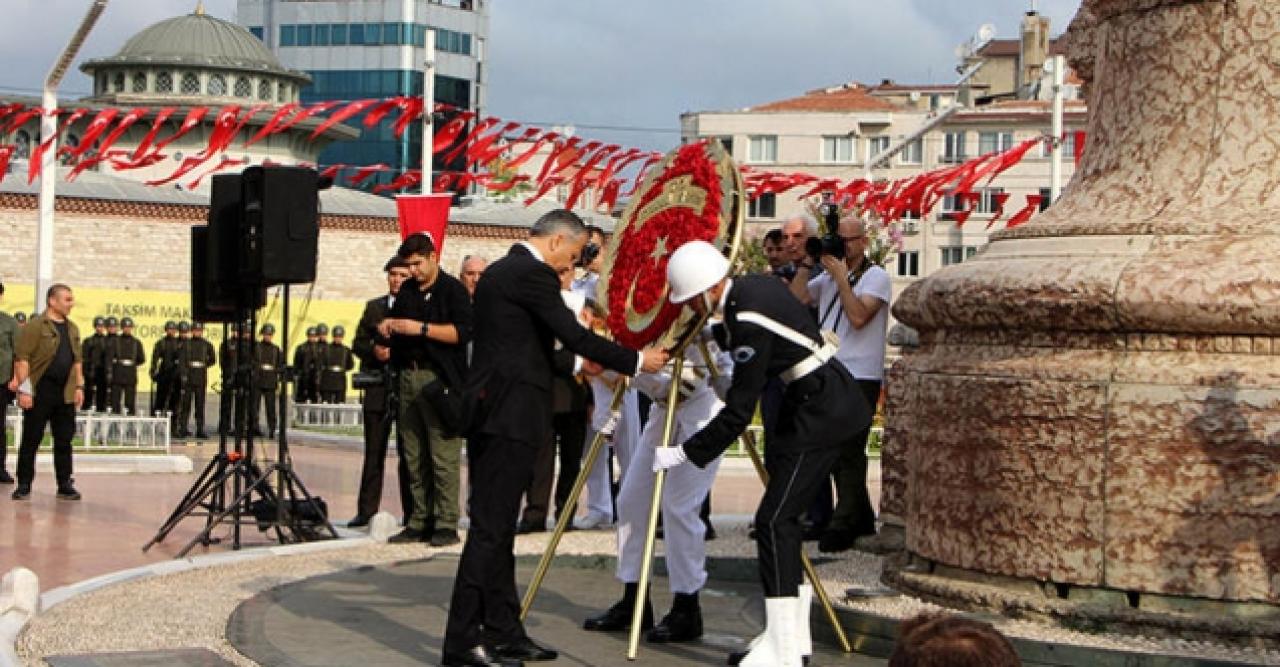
column 151, row 309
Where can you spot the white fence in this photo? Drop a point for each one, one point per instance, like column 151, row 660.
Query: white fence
column 326, row 414
column 105, row 431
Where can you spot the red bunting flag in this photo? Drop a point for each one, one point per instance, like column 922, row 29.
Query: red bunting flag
column 379, row 112
column 6, row 154
column 194, row 116
column 342, row 114
column 410, row 111
column 362, row 174
column 156, row 124
column 272, row 125
column 97, row 126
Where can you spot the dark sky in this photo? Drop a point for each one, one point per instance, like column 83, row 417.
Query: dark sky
column 616, row 63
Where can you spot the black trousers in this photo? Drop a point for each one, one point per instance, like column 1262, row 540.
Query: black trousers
column 49, row 410
column 854, row 512
column 265, row 398
column 794, row 478
column 6, row 397
column 124, row 397
column 193, row 395
column 568, row 432
column 164, row 397
column 484, row 606
column 377, row 431
column 101, row 390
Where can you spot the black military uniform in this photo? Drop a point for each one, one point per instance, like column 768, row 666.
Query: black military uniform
column 197, row 357
column 335, row 362
column 379, row 406
column 229, row 364
column 123, row 359
column 304, row 364
column 772, row 335
column 266, row 378
column 166, row 373
column 102, row 381
column 91, row 350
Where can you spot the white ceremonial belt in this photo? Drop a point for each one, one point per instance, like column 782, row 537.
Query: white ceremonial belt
column 336, row 369
column 267, row 367
column 809, row 364
column 196, row 364
column 124, row 362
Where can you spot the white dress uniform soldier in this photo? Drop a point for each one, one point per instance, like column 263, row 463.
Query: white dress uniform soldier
column 687, row 485
column 770, row 334
column 622, row 431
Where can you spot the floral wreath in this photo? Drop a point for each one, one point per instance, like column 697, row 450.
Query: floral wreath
column 636, row 293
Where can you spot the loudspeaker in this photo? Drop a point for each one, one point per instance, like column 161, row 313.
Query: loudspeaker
column 216, row 292
column 280, row 227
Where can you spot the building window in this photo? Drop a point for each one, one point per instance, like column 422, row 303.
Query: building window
column 190, row 84
column 22, row 144
column 953, row 254
column 102, row 84
column 217, row 85
column 288, row 35
column 763, row 149
column 764, row 206
column 837, row 149
column 306, row 35
column 139, row 84
column 264, row 91
column 164, row 82
column 953, row 147
column 912, row 153
column 117, row 82
column 908, row 263
column 727, row 142
column 322, row 34
column 356, row 34
column 1046, row 198
column 876, row 146
column 243, row 87
column 256, row 31
column 338, row 34
column 994, row 142
column 988, row 203
column 280, row 92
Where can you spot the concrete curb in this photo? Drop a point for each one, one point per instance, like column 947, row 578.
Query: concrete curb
column 122, row 464
column 15, row 617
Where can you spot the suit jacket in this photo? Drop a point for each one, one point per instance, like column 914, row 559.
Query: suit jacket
column 519, row 314
column 375, row 310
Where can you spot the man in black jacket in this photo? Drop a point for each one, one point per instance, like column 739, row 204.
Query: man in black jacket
column 123, row 360
column 374, row 352
column 268, row 365
column 519, row 314
column 91, row 352
column 335, row 362
column 770, row 334
column 165, row 371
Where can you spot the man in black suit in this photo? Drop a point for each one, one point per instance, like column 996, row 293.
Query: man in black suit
column 374, row 351
column 519, row 314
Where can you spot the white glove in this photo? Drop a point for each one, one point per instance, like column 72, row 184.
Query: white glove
column 611, row 424
column 668, row 457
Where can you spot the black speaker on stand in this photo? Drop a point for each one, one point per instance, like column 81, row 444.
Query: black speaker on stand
column 263, row 230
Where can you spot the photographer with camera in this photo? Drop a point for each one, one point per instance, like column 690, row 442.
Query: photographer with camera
column 381, row 400
column 852, row 298
column 429, row 327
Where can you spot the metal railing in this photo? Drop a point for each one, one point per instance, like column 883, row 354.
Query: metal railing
column 326, row 414
column 104, row 431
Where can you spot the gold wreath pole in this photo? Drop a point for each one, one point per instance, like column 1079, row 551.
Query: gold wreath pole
column 749, row 439
column 566, row 512
column 651, row 532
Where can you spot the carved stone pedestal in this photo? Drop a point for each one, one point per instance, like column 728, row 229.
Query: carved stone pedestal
column 1095, row 405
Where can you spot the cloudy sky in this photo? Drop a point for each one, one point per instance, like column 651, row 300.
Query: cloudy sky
column 600, row 64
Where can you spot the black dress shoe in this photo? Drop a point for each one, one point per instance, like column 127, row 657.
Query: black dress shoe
column 5, row 477
column 525, row 649
column 444, row 537
column 21, row 493
column 526, row 527
column 835, row 541
column 358, row 521
column 682, row 624
column 478, row 655
column 200, row 435
column 68, row 492
column 406, row 536
column 618, row 617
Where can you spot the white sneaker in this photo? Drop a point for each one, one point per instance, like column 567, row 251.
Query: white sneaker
column 592, row 521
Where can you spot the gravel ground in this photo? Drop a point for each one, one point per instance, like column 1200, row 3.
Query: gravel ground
column 190, row 609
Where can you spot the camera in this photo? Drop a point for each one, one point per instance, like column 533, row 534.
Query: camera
column 830, row 243
column 369, row 379
column 589, row 253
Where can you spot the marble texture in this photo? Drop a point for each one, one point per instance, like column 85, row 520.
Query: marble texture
column 1096, row 396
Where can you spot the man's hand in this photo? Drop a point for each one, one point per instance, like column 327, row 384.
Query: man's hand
column 13, row 384
column 653, row 359
column 25, row 401
column 590, row 367
column 834, row 267
column 668, row 457
column 79, row 397
column 611, row 425
column 381, row 353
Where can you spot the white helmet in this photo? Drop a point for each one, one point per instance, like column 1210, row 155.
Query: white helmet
column 694, row 268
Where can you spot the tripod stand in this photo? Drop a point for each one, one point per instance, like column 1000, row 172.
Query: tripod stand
column 288, row 508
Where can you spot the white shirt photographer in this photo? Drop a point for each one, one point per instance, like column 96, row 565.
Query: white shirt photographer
column 861, row 349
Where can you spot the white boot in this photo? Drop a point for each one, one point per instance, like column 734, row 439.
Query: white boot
column 804, row 641
column 779, row 646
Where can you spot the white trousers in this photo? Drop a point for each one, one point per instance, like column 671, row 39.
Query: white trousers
column 599, row 495
column 687, row 485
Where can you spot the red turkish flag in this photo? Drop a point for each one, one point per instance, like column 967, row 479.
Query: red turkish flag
column 272, row 125
column 156, row 124
column 194, row 116
column 425, row 214
column 341, row 115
